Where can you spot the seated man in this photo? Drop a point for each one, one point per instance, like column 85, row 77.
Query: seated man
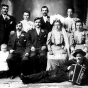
column 16, row 46
column 60, row 74
column 35, row 50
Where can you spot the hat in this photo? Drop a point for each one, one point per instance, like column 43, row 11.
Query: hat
column 79, row 51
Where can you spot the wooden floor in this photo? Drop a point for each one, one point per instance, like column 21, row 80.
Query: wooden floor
column 17, row 83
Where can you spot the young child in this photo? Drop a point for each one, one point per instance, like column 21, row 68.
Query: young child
column 3, row 57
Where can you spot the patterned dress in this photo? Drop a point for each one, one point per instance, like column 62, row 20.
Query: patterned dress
column 79, row 39
column 56, row 44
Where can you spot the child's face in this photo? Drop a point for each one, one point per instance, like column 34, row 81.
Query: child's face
column 79, row 58
column 4, row 49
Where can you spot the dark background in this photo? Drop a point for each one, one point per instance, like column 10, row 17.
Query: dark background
column 55, row 7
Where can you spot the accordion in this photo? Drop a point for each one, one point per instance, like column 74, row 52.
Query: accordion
column 76, row 73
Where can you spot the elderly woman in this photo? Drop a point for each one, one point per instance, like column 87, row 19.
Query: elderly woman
column 56, row 46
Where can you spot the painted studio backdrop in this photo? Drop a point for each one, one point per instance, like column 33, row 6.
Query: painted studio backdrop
column 16, row 7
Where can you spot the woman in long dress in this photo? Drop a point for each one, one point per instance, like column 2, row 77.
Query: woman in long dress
column 79, row 36
column 56, row 43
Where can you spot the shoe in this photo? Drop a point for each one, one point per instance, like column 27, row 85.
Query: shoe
column 24, row 78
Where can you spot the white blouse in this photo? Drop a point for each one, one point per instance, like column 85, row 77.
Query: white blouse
column 27, row 25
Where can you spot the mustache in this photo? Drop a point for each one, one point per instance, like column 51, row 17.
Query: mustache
column 19, row 29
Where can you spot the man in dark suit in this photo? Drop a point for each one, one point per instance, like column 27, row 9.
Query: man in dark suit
column 7, row 24
column 35, row 49
column 16, row 46
column 61, row 73
column 45, row 19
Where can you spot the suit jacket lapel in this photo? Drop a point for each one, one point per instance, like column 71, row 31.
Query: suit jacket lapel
column 43, row 19
column 35, row 33
column 1, row 17
column 48, row 19
column 40, row 33
column 15, row 37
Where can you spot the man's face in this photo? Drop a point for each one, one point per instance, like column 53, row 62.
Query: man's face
column 4, row 10
column 38, row 23
column 79, row 26
column 19, row 27
column 69, row 12
column 79, row 58
column 26, row 16
column 44, row 11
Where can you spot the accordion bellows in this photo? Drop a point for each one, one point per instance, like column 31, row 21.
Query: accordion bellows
column 76, row 73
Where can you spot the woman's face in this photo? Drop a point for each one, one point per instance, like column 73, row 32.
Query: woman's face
column 79, row 26
column 69, row 12
column 57, row 26
column 26, row 16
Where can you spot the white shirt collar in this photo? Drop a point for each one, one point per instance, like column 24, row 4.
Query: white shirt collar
column 45, row 18
column 38, row 31
column 4, row 16
column 18, row 33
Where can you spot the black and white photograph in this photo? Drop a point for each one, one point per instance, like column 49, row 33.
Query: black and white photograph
column 43, row 43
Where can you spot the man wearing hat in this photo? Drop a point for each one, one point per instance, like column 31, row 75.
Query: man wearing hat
column 79, row 56
column 60, row 74
column 78, row 71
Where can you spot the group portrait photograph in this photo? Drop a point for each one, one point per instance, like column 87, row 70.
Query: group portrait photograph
column 43, row 43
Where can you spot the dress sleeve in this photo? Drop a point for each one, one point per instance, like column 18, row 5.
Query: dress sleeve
column 49, row 41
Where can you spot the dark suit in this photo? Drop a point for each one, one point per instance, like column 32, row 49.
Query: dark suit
column 57, row 75
column 60, row 74
column 6, row 26
column 46, row 25
column 37, row 57
column 19, row 45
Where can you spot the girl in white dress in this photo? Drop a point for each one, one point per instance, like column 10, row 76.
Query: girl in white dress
column 4, row 54
column 3, row 57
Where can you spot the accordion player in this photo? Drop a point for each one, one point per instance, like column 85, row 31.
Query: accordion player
column 76, row 73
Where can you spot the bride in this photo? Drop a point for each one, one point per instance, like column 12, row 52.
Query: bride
column 57, row 45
